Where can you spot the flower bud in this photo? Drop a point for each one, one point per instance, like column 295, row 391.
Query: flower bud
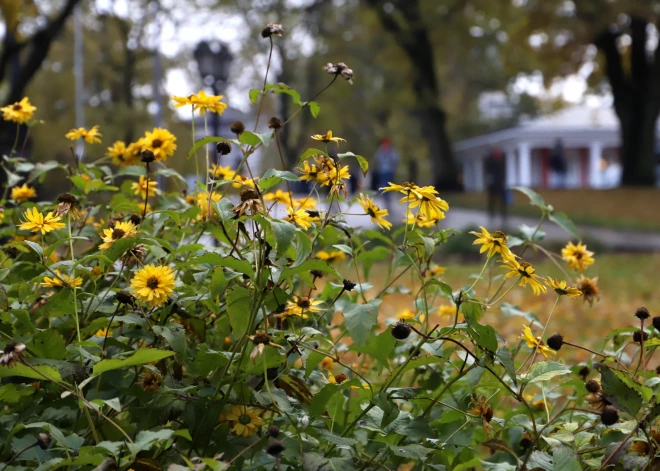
column 274, row 123
column 555, row 341
column 401, row 330
column 340, row 378
column 609, row 416
column 349, row 285
column 223, row 148
column 147, row 156
column 237, row 127
column 593, row 386
column 273, row 431
column 135, row 219
column 638, row 335
column 271, row 29
column 642, row 313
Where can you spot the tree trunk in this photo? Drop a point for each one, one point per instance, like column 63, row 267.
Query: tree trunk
column 636, row 102
column 412, row 36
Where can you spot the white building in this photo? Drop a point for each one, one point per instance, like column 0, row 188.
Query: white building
column 591, row 141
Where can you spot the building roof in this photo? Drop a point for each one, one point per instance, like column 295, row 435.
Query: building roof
column 579, row 123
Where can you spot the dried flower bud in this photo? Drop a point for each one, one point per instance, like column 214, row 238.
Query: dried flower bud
column 526, row 441
column 274, row 123
column 349, row 285
column 223, row 148
column 584, row 372
column 488, row 414
column 147, row 156
column 274, row 448
column 401, row 330
column 11, row 353
column 638, row 335
column 271, row 29
column 593, row 386
column 261, row 338
column 237, row 127
column 249, row 194
column 555, row 341
column 609, row 416
column 340, row 378
column 11, row 252
column 273, row 431
column 125, row 298
column 43, row 440
column 642, row 313
column 316, row 273
column 135, row 219
column 339, row 69
column 67, row 198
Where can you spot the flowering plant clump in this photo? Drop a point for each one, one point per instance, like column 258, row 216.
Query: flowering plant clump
column 238, row 325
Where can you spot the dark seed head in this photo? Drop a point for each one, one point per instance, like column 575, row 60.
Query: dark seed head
column 638, row 335
column 593, row 386
column 642, row 313
column 261, row 337
column 316, row 273
column 135, row 219
column 223, row 148
column 555, row 341
column 249, row 194
column 656, row 323
column 609, row 416
column 340, row 378
column 147, row 156
column 274, row 448
column 271, row 29
column 273, row 431
column 67, row 198
column 401, row 330
column 525, row 441
column 125, row 298
column 11, row 252
column 44, row 441
column 237, row 127
column 117, row 233
column 349, row 285
column 274, row 123
column 584, row 372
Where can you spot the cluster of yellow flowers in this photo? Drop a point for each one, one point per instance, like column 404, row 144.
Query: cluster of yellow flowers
column 159, row 141
column 201, row 102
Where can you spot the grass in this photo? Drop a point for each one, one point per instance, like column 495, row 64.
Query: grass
column 621, row 208
column 626, row 283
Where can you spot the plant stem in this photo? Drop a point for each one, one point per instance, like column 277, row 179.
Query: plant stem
column 73, row 283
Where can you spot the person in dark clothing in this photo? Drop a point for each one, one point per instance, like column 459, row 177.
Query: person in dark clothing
column 495, row 171
column 558, row 165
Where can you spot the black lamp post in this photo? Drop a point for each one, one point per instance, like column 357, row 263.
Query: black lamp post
column 213, row 61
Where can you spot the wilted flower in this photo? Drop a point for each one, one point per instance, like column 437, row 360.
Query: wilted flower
column 150, row 382
column 271, row 29
column 339, row 69
column 589, row 289
column 11, row 354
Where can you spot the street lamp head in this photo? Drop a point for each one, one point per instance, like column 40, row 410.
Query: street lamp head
column 213, row 61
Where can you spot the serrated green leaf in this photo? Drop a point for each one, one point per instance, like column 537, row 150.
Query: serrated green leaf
column 564, row 459
column 214, row 259
column 359, row 319
column 272, row 177
column 620, row 391
column 415, row 452
column 39, row 372
column 286, row 89
column 48, row 344
column 378, row 346
column 238, row 308
column 140, row 357
column 546, row 370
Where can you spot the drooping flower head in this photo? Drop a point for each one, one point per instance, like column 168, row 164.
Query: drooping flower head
column 300, row 217
column 60, row 281
column 527, row 275
column 153, row 284
column 201, row 102
column 140, row 187
column 332, row 256
column 120, row 154
column 327, row 137
column 376, row 214
column 562, row 288
column 589, row 289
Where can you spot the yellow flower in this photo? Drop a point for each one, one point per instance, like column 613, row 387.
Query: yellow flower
column 161, row 142
column 245, row 420
column 140, row 187
column 334, row 256
column 406, row 314
column 202, row 102
column 134, row 152
column 279, row 196
column 526, row 273
column 561, row 288
column 37, row 222
column 22, row 193
column 336, row 173
column 536, row 342
column 304, row 203
column 61, row 280
column 406, row 189
column 120, row 155
column 446, row 310
column 153, row 284
column 327, row 137
column 203, row 204
column 436, row 270
column 121, row 230
column 375, row 213
column 589, row 289
column 300, row 217
column 221, row 173
column 327, row 363
column 92, row 136
column 301, row 305
column 101, row 333
column 577, row 256
column 18, row 112
column 429, row 204
column 493, row 243
column 241, row 180
column 420, row 220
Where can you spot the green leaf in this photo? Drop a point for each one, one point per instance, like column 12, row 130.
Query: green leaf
column 238, row 308
column 132, row 171
column 34, row 246
column 43, row 372
column 390, row 409
column 359, row 319
column 254, row 139
column 284, row 233
column 505, row 358
column 4, row 300
column 414, row 452
column 146, row 438
column 170, row 172
column 540, row 460
column 314, row 108
column 254, row 95
column 321, row 398
column 284, row 88
column 378, row 346
column 534, row 198
column 316, row 462
column 140, row 357
column 563, row 221
column 564, row 459
column 444, row 287
column 208, row 140
column 362, row 162
column 214, row 259
column 484, row 335
column 546, row 370
column 336, row 439
column 311, row 152
column 620, row 391
column 303, row 248
column 272, row 177
column 304, row 268
column 48, row 344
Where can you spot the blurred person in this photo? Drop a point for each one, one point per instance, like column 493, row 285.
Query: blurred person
column 558, row 165
column 386, row 160
column 495, row 172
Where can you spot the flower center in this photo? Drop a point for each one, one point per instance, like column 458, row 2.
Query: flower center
column 578, row 255
column 17, row 107
column 156, row 143
column 117, row 234
column 371, row 212
column 244, row 419
column 152, row 283
column 303, row 303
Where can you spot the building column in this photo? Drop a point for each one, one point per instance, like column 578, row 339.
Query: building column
column 595, row 154
column 511, row 170
column 524, row 164
column 478, row 172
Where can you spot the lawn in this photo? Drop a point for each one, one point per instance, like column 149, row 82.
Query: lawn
column 626, row 283
column 622, row 208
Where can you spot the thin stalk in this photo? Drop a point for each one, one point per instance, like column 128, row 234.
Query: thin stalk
column 263, row 88
column 73, row 283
